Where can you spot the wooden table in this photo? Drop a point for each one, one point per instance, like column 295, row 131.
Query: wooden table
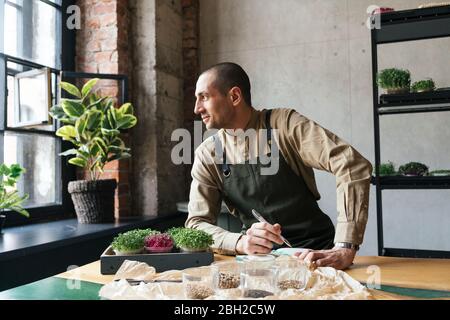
column 401, row 278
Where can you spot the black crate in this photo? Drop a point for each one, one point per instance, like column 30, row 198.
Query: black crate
column 434, row 97
column 110, row 262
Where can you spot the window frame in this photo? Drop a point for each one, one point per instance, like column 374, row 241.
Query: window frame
column 65, row 47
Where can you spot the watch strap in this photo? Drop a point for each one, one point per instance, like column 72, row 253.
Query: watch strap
column 347, row 245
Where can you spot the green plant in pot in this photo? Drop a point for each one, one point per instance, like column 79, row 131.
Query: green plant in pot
column 9, row 196
column 427, row 85
column 413, row 169
column 191, row 240
column 131, row 242
column 158, row 243
column 386, row 169
column 440, row 173
column 394, row 80
column 93, row 125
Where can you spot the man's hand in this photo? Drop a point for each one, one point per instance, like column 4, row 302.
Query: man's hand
column 259, row 239
column 338, row 258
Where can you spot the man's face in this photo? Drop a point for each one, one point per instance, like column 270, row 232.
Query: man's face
column 215, row 109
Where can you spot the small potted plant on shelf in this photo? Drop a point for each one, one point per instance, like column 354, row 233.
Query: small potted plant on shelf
column 386, row 169
column 394, row 80
column 440, row 173
column 9, row 196
column 427, row 85
column 158, row 243
column 413, row 169
column 191, row 240
column 131, row 242
column 93, row 125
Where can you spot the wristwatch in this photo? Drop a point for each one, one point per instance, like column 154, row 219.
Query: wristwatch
column 347, row 245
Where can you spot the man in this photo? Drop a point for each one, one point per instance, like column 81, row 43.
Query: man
column 288, row 198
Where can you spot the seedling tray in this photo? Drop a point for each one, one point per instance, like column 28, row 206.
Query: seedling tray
column 439, row 96
column 176, row 260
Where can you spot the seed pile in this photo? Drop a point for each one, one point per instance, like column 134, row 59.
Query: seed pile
column 252, row 293
column 228, row 280
column 198, row 291
column 289, row 284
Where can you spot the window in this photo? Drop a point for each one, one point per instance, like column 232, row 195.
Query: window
column 31, row 31
column 31, row 59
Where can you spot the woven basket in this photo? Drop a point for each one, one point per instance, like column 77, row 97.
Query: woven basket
column 93, row 200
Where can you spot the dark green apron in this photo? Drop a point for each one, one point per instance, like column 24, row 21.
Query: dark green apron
column 281, row 198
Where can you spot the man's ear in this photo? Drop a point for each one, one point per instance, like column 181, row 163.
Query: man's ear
column 235, row 95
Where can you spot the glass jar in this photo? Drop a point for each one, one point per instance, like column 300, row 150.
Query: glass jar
column 197, row 283
column 226, row 278
column 258, row 276
column 292, row 274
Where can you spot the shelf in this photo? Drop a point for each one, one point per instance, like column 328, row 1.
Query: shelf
column 435, row 101
column 402, row 182
column 394, row 27
column 438, row 96
column 424, row 254
column 386, row 110
column 414, row 15
column 410, row 25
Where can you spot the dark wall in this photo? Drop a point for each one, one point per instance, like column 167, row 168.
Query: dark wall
column 49, row 262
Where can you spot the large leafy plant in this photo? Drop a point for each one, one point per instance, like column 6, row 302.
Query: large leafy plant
column 9, row 196
column 93, row 125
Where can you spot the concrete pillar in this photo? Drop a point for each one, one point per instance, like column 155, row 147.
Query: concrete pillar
column 157, row 81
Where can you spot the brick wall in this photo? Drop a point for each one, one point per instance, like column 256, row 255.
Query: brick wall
column 102, row 47
column 191, row 66
column 164, row 39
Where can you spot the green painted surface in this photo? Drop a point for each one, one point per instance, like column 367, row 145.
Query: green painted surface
column 62, row 289
column 54, row 289
column 417, row 293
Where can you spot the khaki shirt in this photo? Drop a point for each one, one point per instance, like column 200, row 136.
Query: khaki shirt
column 305, row 145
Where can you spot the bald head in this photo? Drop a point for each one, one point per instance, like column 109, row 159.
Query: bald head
column 228, row 75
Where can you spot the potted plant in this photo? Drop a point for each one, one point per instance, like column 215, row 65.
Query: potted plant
column 131, row 242
column 158, row 243
column 387, row 169
column 413, row 169
column 93, row 125
column 440, row 173
column 191, row 240
column 394, row 80
column 427, row 85
column 9, row 196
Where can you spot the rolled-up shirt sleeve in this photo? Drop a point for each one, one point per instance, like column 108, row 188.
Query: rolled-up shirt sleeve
column 205, row 201
column 323, row 150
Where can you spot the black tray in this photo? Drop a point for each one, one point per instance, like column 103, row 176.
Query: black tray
column 437, row 96
column 413, row 182
column 110, row 262
column 415, row 14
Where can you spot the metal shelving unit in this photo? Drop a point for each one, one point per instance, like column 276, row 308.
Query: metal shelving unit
column 400, row 26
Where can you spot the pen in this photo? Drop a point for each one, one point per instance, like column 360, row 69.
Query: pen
column 260, row 218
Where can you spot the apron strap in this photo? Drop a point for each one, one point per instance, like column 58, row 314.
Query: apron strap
column 225, row 167
column 269, row 128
